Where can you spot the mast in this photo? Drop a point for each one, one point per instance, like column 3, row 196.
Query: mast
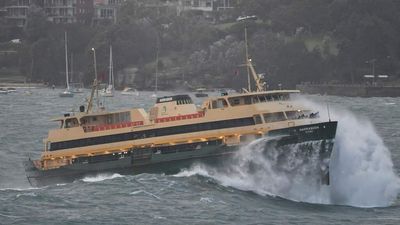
column 260, row 86
column 90, row 103
column 156, row 84
column 72, row 67
column 111, row 71
column 66, row 59
column 247, row 58
column 95, row 75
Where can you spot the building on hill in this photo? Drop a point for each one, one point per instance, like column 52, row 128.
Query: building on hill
column 206, row 8
column 206, row 5
column 106, row 10
column 60, row 11
column 100, row 11
column 17, row 11
column 84, row 11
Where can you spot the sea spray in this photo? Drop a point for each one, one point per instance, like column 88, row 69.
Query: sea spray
column 262, row 170
column 361, row 168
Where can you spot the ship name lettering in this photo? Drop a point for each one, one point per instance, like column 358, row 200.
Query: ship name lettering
column 165, row 99
column 309, row 128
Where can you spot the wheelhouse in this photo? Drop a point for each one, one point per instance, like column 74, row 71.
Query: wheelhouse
column 249, row 99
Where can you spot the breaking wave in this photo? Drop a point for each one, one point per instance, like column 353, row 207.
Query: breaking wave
column 361, row 169
column 101, row 177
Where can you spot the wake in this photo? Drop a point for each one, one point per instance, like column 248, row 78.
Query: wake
column 361, row 169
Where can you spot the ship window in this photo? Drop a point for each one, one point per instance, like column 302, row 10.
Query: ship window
column 214, row 104
column 234, row 101
column 247, row 100
column 73, row 122
column 300, row 114
column 257, row 119
column 265, row 98
column 109, row 119
column 280, row 97
column 256, row 99
column 262, row 98
column 220, row 103
column 293, row 115
column 274, row 117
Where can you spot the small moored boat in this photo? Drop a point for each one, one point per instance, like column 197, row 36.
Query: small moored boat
column 109, row 90
column 67, row 92
column 3, row 91
column 129, row 91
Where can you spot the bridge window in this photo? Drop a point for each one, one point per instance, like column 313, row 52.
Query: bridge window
column 234, row 101
column 300, row 114
column 73, row 122
column 220, row 103
column 274, row 117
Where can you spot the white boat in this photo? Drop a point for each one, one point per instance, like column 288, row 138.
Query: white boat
column 11, row 90
column 109, row 91
column 67, row 92
column 130, row 91
column 3, row 91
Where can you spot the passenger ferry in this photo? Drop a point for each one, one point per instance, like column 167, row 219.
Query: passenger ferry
column 175, row 132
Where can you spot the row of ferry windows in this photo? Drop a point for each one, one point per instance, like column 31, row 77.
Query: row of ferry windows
column 248, row 100
column 288, row 115
column 247, row 121
column 114, row 118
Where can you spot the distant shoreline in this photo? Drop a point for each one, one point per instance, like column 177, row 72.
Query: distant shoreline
column 22, row 85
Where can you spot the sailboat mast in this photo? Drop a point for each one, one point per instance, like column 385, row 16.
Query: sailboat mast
column 111, row 72
column 156, row 88
column 96, row 83
column 72, row 68
column 157, row 52
column 66, row 59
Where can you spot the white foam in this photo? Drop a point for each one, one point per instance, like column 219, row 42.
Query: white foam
column 19, row 189
column 145, row 192
column 101, row 177
column 361, row 169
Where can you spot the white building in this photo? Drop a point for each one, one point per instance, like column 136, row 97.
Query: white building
column 60, row 11
column 106, row 10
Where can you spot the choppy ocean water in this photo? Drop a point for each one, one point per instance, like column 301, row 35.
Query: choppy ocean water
column 365, row 175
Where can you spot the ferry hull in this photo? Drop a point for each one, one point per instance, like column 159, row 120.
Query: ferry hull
column 171, row 159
